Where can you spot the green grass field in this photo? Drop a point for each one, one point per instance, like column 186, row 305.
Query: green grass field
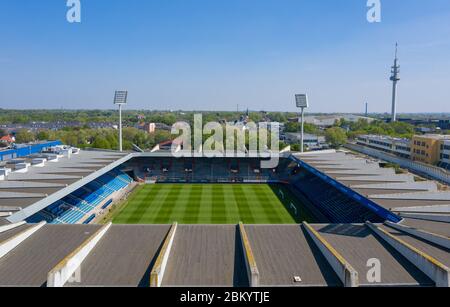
column 211, row 204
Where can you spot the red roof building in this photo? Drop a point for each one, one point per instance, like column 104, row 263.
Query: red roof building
column 8, row 139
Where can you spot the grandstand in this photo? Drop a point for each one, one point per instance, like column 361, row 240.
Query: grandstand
column 50, row 213
column 79, row 204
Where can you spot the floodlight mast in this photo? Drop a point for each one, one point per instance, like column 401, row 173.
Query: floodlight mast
column 120, row 99
column 302, row 103
column 120, row 129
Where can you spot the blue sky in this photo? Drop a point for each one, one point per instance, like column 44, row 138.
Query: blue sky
column 215, row 54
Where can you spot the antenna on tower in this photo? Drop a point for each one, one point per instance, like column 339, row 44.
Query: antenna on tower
column 395, row 72
column 396, row 50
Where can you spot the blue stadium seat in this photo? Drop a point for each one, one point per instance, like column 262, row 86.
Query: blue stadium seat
column 75, row 206
column 332, row 203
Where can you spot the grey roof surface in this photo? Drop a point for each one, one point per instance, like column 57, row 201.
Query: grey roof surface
column 124, row 256
column 66, row 170
column 373, row 192
column 389, row 190
column 328, row 157
column 362, row 172
column 392, row 204
column 18, row 203
column 433, row 196
column 413, row 186
column 14, row 195
column 12, row 232
column 342, row 165
column 22, row 190
column 9, row 184
column 431, row 209
column 381, row 178
column 395, row 188
column 83, row 165
column 439, row 228
column 211, row 255
column 29, row 263
column 206, row 256
column 283, row 252
column 439, row 253
column 41, row 177
column 357, row 244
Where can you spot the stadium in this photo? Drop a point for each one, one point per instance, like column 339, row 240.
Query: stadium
column 91, row 218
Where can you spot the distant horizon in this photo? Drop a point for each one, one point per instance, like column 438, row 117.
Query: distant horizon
column 204, row 54
column 228, row 111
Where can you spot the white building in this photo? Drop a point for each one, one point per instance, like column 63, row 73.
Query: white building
column 444, row 156
column 310, row 140
column 325, row 121
column 396, row 146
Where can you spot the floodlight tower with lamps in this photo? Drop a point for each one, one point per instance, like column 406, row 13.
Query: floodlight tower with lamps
column 302, row 103
column 120, row 99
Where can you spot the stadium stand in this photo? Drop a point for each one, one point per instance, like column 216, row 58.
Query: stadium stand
column 77, row 205
column 332, row 203
column 349, row 192
column 336, row 206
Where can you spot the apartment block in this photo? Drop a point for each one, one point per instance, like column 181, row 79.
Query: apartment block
column 430, row 148
column 426, row 148
column 396, row 146
column 444, row 154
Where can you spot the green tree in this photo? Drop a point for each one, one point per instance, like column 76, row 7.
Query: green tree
column 24, row 136
column 43, row 135
column 296, row 127
column 295, row 147
column 101, row 143
column 336, row 137
column 278, row 117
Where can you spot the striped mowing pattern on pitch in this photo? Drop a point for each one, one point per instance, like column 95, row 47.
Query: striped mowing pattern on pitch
column 210, row 204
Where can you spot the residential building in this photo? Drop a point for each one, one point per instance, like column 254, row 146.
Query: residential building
column 8, row 139
column 396, row 146
column 431, row 148
column 310, row 140
column 326, row 121
column 425, row 148
column 149, row 127
column 444, row 154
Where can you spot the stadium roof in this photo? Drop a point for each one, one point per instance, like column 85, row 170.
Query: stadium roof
column 218, row 255
column 38, row 187
column 213, row 255
column 396, row 192
column 41, row 186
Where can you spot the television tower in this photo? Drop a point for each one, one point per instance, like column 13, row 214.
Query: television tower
column 395, row 78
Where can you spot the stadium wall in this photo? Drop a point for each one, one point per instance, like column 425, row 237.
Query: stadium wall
column 68, row 266
column 431, row 267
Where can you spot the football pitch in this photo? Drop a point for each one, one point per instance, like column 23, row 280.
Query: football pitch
column 211, row 204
